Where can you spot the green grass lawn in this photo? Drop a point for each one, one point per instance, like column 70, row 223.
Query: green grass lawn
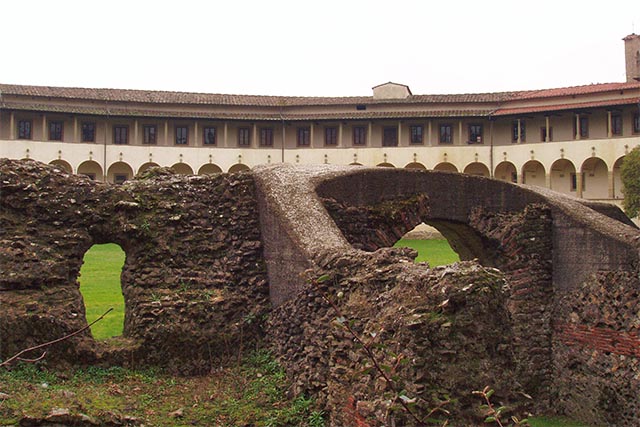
column 436, row 251
column 101, row 289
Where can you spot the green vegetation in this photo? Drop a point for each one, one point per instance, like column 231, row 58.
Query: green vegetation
column 630, row 174
column 101, row 289
column 554, row 422
column 252, row 393
column 435, row 251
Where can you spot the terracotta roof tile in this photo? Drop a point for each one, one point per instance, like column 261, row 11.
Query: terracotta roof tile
column 574, row 90
column 560, row 107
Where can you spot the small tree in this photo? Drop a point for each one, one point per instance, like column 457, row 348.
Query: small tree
column 631, row 181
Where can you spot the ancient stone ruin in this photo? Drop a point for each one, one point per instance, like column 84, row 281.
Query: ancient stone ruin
column 544, row 309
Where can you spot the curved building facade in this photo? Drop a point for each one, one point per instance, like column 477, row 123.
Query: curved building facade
column 571, row 140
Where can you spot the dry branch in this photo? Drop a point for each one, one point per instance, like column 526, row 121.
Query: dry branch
column 17, row 356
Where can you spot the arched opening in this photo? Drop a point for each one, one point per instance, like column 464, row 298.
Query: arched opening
column 385, row 165
column 238, row 167
column 415, row 165
column 101, row 289
column 533, row 173
column 119, row 172
column 182, row 169
column 62, row 165
column 146, row 166
column 618, row 188
column 91, row 169
column 478, row 169
column 431, row 245
column 355, row 164
column 445, row 167
column 563, row 176
column 594, row 179
column 209, row 169
column 506, row 171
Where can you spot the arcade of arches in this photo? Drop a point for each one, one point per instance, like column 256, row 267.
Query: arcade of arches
column 590, row 179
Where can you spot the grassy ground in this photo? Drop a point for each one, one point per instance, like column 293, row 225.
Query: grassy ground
column 251, row 394
column 436, row 252
column 101, row 289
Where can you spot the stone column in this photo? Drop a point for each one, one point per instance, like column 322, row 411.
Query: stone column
column 579, row 184
column 460, row 132
column 429, row 141
column 195, row 133
column 166, row 132
column 577, row 135
column 44, row 128
column 135, row 132
column 609, row 130
column 546, row 127
column 519, row 136
column 225, row 134
column 311, row 132
column 370, row 134
column 75, row 130
column 612, row 184
column 12, row 126
column 399, row 133
column 340, row 135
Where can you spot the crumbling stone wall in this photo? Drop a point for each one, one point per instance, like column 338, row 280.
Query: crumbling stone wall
column 596, row 349
column 440, row 334
column 194, row 280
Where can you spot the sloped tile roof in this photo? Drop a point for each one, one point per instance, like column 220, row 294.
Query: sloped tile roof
column 560, row 107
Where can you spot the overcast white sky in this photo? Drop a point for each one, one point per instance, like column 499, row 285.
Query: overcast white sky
column 325, row 48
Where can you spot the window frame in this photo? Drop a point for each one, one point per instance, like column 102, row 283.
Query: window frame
column 636, row 123
column 181, row 139
column 55, row 130
column 416, row 138
column 21, row 132
column 303, row 136
column 616, row 129
column 117, row 134
column 448, row 135
column 209, row 130
column 147, row 134
column 359, row 136
column 514, row 131
column 244, row 136
column 584, row 127
column 331, row 136
column 266, row 137
column 390, row 136
column 84, row 130
column 476, row 133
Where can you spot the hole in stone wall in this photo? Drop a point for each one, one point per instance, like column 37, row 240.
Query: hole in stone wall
column 432, row 246
column 101, row 289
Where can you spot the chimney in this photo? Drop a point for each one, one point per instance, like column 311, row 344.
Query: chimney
column 632, row 57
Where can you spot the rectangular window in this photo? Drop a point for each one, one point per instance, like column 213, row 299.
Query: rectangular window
column 523, row 131
column 573, row 181
column 266, row 137
column 475, row 134
column 150, row 133
column 446, row 134
column 209, row 135
column 359, row 135
column 121, row 134
column 584, row 127
column 543, row 134
column 244, row 137
column 55, row 131
column 636, row 123
column 24, row 129
column 416, row 132
column 304, row 136
column 182, row 135
column 88, row 132
column 331, row 136
column 616, row 124
column 390, row 137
